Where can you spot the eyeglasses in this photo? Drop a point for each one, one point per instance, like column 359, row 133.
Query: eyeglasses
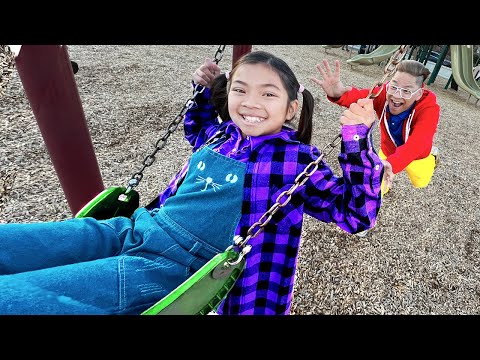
column 404, row 93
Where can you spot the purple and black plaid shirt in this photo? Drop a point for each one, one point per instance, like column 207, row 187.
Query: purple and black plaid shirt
column 273, row 162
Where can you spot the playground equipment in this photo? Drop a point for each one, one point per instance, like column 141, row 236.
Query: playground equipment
column 476, row 73
column 344, row 47
column 331, row 46
column 47, row 77
column 467, row 61
column 383, row 52
column 462, row 69
column 326, row 47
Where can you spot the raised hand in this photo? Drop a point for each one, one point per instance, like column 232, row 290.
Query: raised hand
column 361, row 112
column 205, row 74
column 330, row 82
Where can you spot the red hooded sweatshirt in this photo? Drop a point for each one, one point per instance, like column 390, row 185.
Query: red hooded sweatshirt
column 418, row 129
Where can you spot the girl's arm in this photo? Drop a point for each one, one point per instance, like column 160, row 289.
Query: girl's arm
column 201, row 120
column 352, row 201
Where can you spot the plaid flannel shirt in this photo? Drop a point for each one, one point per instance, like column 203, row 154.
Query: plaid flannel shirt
column 352, row 202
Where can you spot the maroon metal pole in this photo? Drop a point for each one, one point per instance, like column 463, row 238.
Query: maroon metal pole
column 239, row 50
column 47, row 77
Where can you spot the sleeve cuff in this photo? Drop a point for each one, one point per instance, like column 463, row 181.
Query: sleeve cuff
column 355, row 137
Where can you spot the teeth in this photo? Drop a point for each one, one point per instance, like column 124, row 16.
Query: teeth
column 252, row 119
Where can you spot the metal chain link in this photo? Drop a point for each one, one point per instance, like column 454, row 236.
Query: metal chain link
column 7, row 64
column 258, row 226
column 149, row 159
column 299, row 181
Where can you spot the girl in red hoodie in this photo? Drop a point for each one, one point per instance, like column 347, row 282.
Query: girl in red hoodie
column 408, row 115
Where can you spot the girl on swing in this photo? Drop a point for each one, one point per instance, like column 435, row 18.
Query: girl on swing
column 245, row 153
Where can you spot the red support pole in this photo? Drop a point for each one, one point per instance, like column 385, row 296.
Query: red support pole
column 239, row 50
column 47, row 77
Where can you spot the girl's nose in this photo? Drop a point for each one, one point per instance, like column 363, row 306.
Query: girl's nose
column 250, row 101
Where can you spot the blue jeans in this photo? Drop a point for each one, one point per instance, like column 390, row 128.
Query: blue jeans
column 122, row 265
column 86, row 266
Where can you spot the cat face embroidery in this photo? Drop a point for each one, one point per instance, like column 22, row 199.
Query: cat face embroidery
column 231, row 178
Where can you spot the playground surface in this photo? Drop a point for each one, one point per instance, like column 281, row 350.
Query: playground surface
column 423, row 257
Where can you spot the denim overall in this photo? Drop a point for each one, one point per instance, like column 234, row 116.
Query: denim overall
column 122, row 265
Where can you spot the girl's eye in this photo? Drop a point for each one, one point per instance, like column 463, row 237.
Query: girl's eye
column 238, row 90
column 270, row 94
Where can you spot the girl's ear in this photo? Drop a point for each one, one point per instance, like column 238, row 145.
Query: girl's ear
column 292, row 109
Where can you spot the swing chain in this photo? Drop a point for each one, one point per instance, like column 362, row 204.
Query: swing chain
column 150, row 159
column 299, row 181
column 237, row 240
column 303, row 176
column 7, row 64
column 388, row 70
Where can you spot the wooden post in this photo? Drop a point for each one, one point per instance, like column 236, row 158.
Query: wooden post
column 239, row 50
column 47, row 77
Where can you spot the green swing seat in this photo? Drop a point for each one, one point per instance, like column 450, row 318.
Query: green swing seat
column 198, row 295
column 109, row 203
column 203, row 291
